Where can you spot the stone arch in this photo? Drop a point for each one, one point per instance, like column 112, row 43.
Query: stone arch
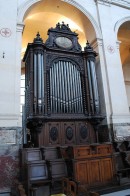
column 122, row 34
column 119, row 23
column 24, row 8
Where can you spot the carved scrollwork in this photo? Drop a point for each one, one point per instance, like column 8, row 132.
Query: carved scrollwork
column 69, row 133
column 78, row 62
column 83, row 132
column 62, row 32
column 54, row 134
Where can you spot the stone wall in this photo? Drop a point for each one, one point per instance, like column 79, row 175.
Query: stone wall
column 10, row 142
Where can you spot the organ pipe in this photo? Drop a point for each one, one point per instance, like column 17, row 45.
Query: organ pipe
column 92, row 79
column 39, row 83
column 35, row 83
column 65, row 88
column 95, row 88
column 42, row 82
column 90, row 86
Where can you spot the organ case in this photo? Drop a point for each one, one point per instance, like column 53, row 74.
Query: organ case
column 62, row 101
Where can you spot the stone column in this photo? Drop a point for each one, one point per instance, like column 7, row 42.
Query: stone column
column 118, row 105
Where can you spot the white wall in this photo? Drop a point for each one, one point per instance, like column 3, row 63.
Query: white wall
column 9, row 70
column 109, row 15
column 101, row 15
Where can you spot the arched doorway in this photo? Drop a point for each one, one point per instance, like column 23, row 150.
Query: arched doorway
column 124, row 38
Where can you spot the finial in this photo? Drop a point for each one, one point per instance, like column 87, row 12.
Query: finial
column 38, row 38
column 89, row 49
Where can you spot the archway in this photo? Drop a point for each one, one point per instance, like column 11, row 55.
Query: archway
column 41, row 15
column 124, row 38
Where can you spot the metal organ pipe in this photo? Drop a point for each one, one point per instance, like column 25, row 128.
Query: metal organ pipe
column 95, row 88
column 39, row 83
column 65, row 88
column 76, row 86
column 42, row 82
column 60, row 87
column 35, row 83
column 74, row 89
column 51, row 92
column 68, row 87
column 90, row 86
column 71, row 90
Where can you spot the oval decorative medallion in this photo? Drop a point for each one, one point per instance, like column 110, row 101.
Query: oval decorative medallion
column 83, row 132
column 54, row 134
column 63, row 42
column 69, row 133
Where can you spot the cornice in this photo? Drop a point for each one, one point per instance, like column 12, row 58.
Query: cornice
column 120, row 3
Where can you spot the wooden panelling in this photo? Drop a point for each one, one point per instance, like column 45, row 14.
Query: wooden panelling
column 53, row 133
column 94, row 172
column 69, row 135
column 106, row 169
column 88, row 151
column 92, row 164
column 81, row 172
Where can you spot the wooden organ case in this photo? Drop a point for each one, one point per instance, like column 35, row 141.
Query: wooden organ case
column 61, row 98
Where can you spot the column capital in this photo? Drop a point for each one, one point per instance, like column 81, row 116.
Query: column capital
column 118, row 44
column 97, row 42
column 20, row 27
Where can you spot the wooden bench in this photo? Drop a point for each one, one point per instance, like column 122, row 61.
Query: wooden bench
column 37, row 177
column 57, row 171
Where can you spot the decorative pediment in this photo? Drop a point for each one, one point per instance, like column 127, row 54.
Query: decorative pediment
column 61, row 37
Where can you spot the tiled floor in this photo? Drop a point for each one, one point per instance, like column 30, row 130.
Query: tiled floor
column 119, row 193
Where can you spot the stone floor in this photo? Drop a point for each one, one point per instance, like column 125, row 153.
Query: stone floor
column 119, row 193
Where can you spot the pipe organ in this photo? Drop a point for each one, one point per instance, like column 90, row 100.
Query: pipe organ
column 61, row 87
column 62, row 109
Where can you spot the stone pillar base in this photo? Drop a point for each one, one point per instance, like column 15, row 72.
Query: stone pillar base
column 10, row 142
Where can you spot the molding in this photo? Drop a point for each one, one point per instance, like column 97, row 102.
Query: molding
column 118, row 44
column 127, row 82
column 22, row 9
column 120, row 22
column 9, row 117
column 104, row 2
column 120, row 118
column 20, row 27
column 97, row 42
column 120, row 3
